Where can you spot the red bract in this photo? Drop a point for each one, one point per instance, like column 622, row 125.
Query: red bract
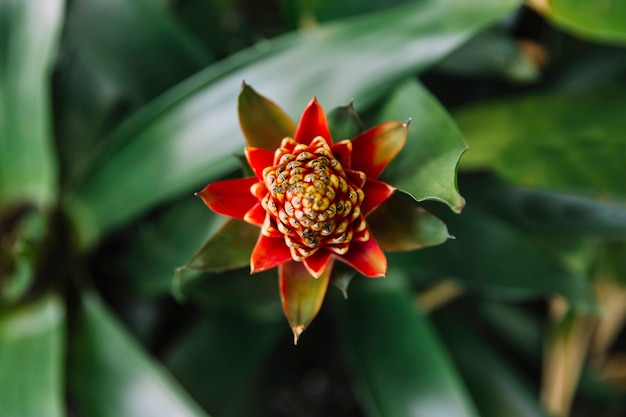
column 311, row 198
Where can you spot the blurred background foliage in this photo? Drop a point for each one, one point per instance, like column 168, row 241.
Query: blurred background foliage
column 113, row 112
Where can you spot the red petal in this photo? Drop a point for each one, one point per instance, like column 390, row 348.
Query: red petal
column 256, row 215
column 259, row 159
column 230, row 197
column 367, row 258
column 313, row 124
column 373, row 149
column 343, row 152
column 268, row 253
column 316, row 263
column 301, row 294
column 376, row 192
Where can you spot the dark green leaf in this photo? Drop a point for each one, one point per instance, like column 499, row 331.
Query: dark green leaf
column 490, row 254
column 400, row 366
column 31, row 360
column 493, row 383
column 426, row 167
column 111, row 375
column 568, row 141
column 399, row 225
column 145, row 54
column 219, row 357
column 229, row 248
column 490, row 53
column 182, row 138
column 29, row 30
column 166, row 243
column 548, row 213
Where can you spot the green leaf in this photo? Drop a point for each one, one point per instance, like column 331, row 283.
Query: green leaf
column 602, row 21
column 29, row 31
column 400, row 366
column 145, row 54
column 497, row 389
column 262, row 121
column 399, row 225
column 187, row 132
column 566, row 141
column 490, row 254
column 344, row 123
column 111, row 375
column 218, row 359
column 548, row 213
column 229, row 248
column 31, row 360
column 426, row 167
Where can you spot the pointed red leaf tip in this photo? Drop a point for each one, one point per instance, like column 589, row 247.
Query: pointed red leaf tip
column 312, row 124
column 373, row 149
column 263, row 122
column 230, row 197
column 317, row 262
column 367, row 258
column 301, row 294
column 268, row 253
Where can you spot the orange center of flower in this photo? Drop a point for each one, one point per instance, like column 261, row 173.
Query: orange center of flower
column 311, row 199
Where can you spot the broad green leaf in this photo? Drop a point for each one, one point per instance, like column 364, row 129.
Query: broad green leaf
column 29, row 31
column 111, row 375
column 218, row 358
column 182, row 138
column 595, row 20
column 400, row 366
column 491, row 53
column 31, row 360
column 303, row 13
column 489, row 253
column 426, row 167
column 545, row 212
column 494, row 385
column 567, row 141
column 145, row 54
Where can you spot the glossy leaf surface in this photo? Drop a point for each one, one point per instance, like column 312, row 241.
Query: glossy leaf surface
column 141, row 72
column 111, row 375
column 565, row 141
column 31, row 360
column 426, row 166
column 400, row 366
column 494, row 384
column 28, row 166
column 186, row 133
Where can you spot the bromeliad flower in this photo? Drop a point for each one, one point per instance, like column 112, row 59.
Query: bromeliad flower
column 311, row 199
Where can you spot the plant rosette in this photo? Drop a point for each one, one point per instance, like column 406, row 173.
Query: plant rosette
column 312, row 202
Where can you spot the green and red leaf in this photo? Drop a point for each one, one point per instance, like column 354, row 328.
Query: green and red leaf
column 262, row 121
column 302, row 294
column 373, row 149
